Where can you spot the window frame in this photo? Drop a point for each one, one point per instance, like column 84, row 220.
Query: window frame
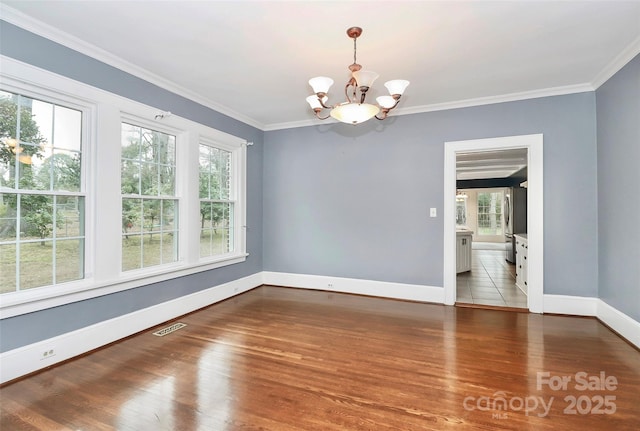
column 500, row 219
column 180, row 136
column 28, row 89
column 103, row 113
column 237, row 180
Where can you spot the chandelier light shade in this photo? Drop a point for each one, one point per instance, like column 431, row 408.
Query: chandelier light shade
column 355, row 110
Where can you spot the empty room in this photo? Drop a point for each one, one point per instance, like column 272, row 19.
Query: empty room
column 319, row 215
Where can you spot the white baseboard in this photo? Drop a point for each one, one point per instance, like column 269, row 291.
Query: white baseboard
column 619, row 322
column 624, row 325
column 27, row 359
column 574, row 305
column 30, row 358
column 410, row 292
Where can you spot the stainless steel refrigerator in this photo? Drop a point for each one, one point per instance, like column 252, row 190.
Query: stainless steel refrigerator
column 515, row 218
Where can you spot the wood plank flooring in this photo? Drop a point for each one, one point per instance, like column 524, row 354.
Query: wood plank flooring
column 286, row 359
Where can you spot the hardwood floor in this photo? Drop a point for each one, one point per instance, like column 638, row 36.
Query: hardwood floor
column 491, row 281
column 286, row 359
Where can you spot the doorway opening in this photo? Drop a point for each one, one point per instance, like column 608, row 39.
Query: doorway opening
column 484, row 219
column 534, row 214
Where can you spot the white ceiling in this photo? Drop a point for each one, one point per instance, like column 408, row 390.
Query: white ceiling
column 490, row 164
column 252, row 60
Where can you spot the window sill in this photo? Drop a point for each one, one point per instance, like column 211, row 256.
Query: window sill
column 29, row 301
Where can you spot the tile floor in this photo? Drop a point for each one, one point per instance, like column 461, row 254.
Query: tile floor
column 491, row 281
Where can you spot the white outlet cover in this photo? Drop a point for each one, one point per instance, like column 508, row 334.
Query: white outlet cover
column 433, row 212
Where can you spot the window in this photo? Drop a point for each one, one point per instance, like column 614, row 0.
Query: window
column 461, row 209
column 42, row 235
column 490, row 213
column 149, row 204
column 80, row 220
column 216, row 202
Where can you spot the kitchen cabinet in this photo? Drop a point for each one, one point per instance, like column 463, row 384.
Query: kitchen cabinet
column 463, row 250
column 522, row 262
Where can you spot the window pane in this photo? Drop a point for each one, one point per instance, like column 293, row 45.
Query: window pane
column 130, row 141
column 152, row 249
column 70, row 213
column 7, row 268
column 36, row 264
column 37, row 217
column 8, row 216
column 208, row 216
column 7, row 166
column 151, row 215
column 168, row 215
column 490, row 213
column 165, row 148
column 65, row 167
column 131, row 216
column 169, row 247
column 166, row 180
column 131, row 252
column 67, row 131
column 130, row 177
column 29, row 166
column 40, row 130
column 69, row 260
column 150, row 184
column 206, row 242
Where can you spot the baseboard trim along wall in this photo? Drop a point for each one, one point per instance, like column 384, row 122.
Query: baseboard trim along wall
column 574, row 305
column 615, row 319
column 28, row 359
column 624, row 325
column 383, row 289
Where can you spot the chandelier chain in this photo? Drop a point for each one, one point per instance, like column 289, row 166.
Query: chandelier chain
column 355, row 39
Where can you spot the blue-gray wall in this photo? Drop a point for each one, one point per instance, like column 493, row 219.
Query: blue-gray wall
column 618, row 111
column 354, row 201
column 25, row 329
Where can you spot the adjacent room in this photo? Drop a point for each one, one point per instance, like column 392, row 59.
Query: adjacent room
column 319, row 215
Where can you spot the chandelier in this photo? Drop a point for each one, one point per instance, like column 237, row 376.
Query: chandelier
column 355, row 110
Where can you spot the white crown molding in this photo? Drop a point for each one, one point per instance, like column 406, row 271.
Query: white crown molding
column 301, row 123
column 618, row 63
column 490, row 100
column 41, row 29
column 467, row 103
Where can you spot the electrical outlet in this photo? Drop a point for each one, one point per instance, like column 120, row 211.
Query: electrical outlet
column 49, row 353
column 329, row 285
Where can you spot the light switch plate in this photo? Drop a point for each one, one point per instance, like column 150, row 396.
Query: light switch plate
column 433, row 212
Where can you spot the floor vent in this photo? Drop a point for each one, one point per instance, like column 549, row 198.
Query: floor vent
column 169, row 329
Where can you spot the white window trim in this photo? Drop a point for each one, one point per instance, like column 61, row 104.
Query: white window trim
column 105, row 111
column 238, row 192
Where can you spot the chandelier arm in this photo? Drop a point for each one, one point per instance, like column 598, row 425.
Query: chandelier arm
column 351, row 83
column 397, row 99
column 320, row 97
column 321, row 118
column 384, row 115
